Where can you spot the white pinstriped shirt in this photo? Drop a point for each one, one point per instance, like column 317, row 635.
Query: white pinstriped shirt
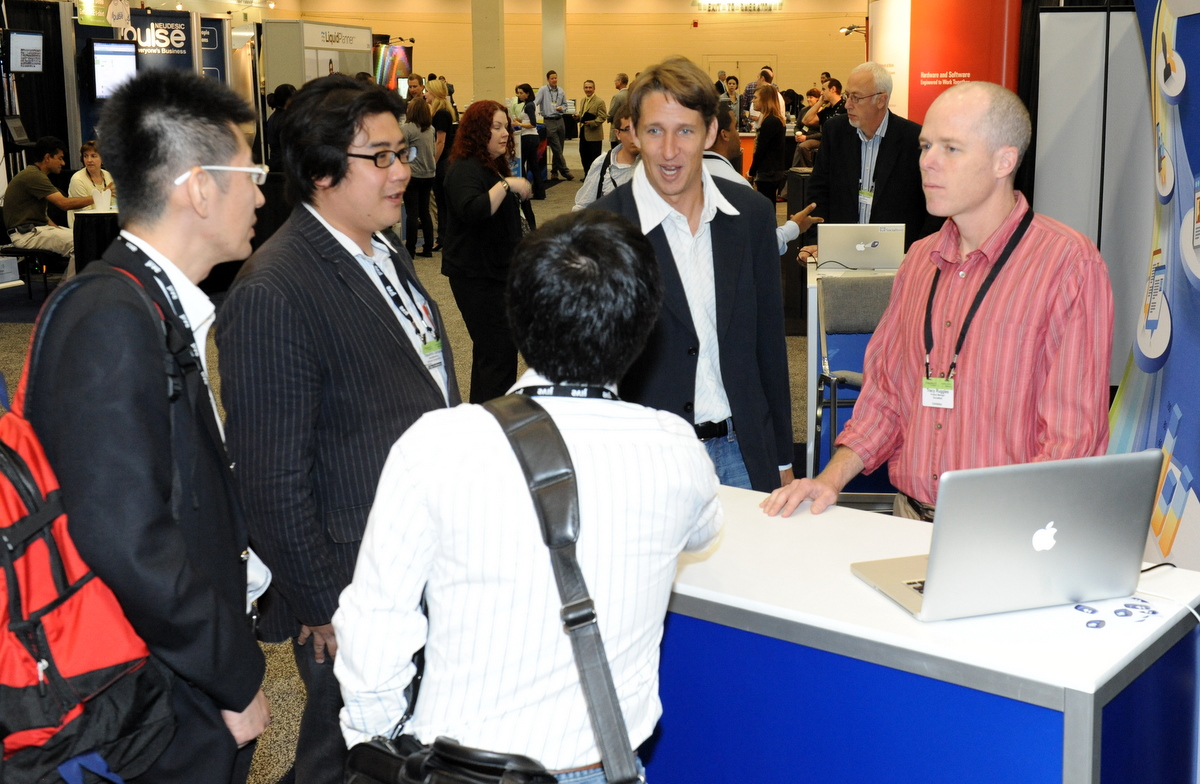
column 694, row 260
column 453, row 517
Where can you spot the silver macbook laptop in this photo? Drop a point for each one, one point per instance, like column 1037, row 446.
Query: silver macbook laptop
column 1024, row 536
column 860, row 245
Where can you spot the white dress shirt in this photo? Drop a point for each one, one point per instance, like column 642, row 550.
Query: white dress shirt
column 866, row 175
column 694, row 260
column 414, row 303
column 499, row 672
column 201, row 314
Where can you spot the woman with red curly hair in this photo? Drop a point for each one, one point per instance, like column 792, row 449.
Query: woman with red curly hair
column 483, row 227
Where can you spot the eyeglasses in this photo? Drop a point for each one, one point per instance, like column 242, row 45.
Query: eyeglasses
column 626, row 129
column 855, row 97
column 258, row 174
column 385, row 158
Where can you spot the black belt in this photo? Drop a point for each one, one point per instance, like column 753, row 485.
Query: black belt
column 923, row 511
column 709, row 430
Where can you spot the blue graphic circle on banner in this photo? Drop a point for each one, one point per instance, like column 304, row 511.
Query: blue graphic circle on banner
column 1189, row 254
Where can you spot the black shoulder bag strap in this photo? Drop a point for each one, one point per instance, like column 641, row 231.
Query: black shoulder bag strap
column 600, row 180
column 551, row 477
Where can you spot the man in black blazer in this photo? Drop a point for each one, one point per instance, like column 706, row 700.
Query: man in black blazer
column 717, row 355
column 330, row 349
column 893, row 193
column 144, row 476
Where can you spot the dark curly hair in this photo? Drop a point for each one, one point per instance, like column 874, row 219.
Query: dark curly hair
column 474, row 133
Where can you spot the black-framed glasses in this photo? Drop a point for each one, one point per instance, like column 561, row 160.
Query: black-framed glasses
column 626, row 129
column 855, row 97
column 385, row 158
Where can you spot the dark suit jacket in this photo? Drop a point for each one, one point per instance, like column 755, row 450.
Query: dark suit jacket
column 753, row 352
column 898, row 194
column 98, row 401
column 318, row 380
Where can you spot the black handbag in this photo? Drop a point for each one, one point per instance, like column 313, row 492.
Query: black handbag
column 544, row 459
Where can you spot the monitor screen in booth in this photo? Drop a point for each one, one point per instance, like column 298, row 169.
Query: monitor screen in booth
column 113, row 64
column 23, row 51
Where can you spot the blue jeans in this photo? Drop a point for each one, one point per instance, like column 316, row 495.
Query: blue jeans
column 727, row 459
column 594, row 776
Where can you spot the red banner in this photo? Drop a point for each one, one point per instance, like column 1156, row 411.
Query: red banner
column 954, row 41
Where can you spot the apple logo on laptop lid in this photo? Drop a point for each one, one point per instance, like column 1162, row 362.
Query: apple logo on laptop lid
column 1043, row 538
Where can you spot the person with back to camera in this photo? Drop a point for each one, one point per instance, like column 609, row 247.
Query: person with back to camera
column 766, row 168
column 418, row 131
column 483, row 226
column 278, row 101
column 445, row 120
column 499, row 672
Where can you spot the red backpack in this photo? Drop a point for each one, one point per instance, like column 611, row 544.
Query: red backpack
column 78, row 687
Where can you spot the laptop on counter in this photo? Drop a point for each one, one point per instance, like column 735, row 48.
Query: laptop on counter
column 865, row 246
column 1024, row 536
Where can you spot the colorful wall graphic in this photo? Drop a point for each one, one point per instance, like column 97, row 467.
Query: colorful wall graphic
column 1158, row 405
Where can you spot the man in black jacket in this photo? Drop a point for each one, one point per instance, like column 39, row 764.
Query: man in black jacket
column 330, row 349
column 867, row 170
column 717, row 355
column 144, row 475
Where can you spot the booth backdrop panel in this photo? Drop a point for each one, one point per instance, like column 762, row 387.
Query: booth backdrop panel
column 800, row 714
column 1157, row 405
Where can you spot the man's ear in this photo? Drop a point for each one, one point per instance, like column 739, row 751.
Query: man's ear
column 711, row 136
column 1005, row 162
column 197, row 190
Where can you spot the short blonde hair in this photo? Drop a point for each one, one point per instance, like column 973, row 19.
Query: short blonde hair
column 1005, row 121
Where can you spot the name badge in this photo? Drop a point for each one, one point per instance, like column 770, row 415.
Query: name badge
column 866, row 197
column 431, row 352
column 937, row 392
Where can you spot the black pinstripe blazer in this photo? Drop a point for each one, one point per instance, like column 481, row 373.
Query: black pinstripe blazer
column 318, row 381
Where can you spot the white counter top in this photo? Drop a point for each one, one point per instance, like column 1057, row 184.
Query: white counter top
column 793, row 576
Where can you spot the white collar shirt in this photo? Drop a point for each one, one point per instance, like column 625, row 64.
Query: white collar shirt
column 201, row 313
column 693, row 257
column 197, row 307
column 866, row 177
column 411, row 298
column 499, row 672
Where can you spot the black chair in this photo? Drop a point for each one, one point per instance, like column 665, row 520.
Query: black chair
column 33, row 261
column 845, row 305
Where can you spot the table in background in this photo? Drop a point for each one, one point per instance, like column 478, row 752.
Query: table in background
column 94, row 232
column 779, row 665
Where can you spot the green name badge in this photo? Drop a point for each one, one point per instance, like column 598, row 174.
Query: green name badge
column 937, row 392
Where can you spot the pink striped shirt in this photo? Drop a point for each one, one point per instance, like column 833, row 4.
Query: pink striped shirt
column 1032, row 379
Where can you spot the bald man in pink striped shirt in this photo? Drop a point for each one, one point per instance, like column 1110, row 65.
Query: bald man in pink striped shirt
column 1023, row 379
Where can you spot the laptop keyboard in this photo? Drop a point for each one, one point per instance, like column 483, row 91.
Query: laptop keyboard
column 916, row 585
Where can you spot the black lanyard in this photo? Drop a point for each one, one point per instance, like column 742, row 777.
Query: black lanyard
column 569, row 390
column 979, row 295
column 173, row 301
column 424, row 329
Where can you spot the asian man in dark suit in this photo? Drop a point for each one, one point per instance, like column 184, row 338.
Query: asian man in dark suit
column 870, row 131
column 144, row 475
column 717, row 355
column 330, row 348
